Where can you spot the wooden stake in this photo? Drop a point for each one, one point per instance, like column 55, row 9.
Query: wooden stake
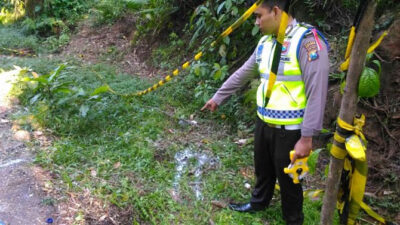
column 348, row 107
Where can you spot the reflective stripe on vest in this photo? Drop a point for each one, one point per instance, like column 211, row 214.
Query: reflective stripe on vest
column 288, row 99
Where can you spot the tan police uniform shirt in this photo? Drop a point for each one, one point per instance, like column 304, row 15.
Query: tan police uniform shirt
column 315, row 76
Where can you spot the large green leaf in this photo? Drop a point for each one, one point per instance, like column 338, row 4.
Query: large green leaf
column 56, row 72
column 369, row 83
column 228, row 4
column 313, row 160
column 100, row 90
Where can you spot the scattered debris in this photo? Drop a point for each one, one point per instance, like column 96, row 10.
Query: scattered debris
column 22, row 135
column 195, row 163
column 241, row 142
column 219, row 204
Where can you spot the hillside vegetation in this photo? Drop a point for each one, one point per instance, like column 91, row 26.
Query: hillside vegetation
column 157, row 159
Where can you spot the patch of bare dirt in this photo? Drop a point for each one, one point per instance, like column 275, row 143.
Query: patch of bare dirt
column 111, row 44
column 22, row 200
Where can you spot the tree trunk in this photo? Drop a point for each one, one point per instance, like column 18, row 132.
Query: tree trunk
column 33, row 7
column 348, row 107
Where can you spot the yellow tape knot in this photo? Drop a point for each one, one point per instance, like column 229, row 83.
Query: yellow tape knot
column 355, row 144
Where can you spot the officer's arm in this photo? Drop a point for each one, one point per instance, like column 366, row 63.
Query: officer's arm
column 236, row 80
column 314, row 64
column 315, row 72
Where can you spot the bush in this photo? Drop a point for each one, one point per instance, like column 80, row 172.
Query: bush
column 11, row 11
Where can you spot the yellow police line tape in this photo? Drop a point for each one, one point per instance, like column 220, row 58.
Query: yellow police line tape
column 176, row 72
column 277, row 53
column 352, row 149
column 315, row 193
column 18, row 52
column 345, row 65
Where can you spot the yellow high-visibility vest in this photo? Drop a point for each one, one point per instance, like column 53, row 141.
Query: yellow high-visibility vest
column 288, row 99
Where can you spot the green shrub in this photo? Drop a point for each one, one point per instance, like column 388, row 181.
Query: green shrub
column 11, row 11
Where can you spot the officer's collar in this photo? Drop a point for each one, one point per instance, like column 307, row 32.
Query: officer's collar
column 289, row 28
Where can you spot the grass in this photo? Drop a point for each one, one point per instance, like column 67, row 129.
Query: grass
column 124, row 150
column 10, row 37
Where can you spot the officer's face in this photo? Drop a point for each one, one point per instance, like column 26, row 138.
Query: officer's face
column 267, row 19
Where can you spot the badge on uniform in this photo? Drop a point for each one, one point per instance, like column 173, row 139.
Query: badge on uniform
column 285, row 47
column 312, row 50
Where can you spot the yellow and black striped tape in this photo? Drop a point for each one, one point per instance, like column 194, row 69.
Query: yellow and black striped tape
column 278, row 50
column 176, row 72
column 17, row 52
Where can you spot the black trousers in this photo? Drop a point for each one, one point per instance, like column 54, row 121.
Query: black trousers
column 271, row 155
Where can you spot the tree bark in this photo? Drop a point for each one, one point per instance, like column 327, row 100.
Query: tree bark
column 348, row 107
column 30, row 7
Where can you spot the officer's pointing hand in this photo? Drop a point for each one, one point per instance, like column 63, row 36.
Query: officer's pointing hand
column 210, row 105
column 302, row 148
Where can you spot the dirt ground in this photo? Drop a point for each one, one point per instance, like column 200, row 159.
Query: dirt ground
column 111, row 44
column 22, row 200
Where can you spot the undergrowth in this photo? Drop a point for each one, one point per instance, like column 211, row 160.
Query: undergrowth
column 124, row 149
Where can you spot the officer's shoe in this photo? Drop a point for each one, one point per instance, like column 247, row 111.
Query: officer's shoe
column 246, row 207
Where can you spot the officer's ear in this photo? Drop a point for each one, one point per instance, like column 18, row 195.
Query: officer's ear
column 276, row 11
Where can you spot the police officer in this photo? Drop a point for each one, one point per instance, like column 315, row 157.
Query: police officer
column 294, row 112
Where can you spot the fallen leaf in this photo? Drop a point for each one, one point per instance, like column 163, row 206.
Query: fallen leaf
column 103, row 218
column 241, row 142
column 206, row 141
column 117, row 165
column 93, row 173
column 219, row 204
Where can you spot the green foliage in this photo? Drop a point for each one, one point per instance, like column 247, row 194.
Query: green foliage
column 11, row 11
column 44, row 26
column 389, row 202
column 54, row 93
column 12, row 38
column 46, row 86
column 170, row 54
column 54, row 16
column 122, row 150
column 369, row 83
column 65, row 9
column 206, row 23
column 54, row 43
column 155, row 16
column 313, row 160
column 109, row 10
